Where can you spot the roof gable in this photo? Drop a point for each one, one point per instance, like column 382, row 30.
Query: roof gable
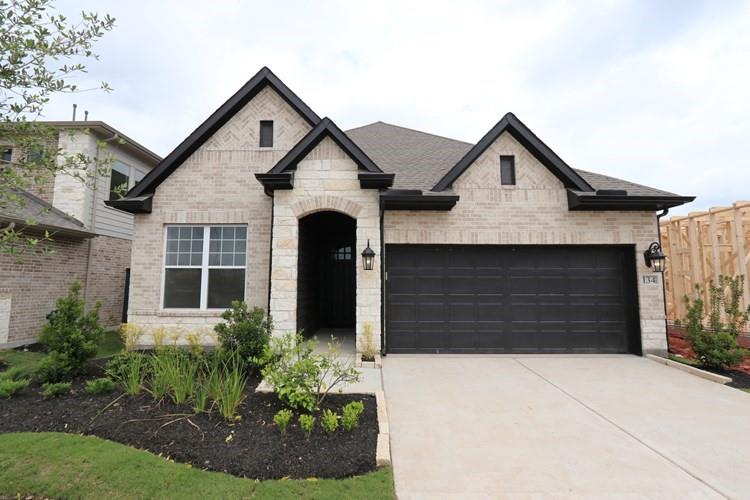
column 264, row 77
column 509, row 123
column 280, row 176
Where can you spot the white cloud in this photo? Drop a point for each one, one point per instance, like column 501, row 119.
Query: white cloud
column 653, row 92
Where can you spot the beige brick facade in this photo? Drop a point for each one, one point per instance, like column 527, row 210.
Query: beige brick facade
column 105, row 279
column 534, row 211
column 216, row 185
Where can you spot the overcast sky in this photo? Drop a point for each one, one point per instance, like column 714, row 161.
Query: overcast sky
column 656, row 92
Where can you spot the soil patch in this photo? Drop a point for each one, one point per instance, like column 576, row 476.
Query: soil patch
column 250, row 447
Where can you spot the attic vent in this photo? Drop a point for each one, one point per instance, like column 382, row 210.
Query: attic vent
column 611, row 192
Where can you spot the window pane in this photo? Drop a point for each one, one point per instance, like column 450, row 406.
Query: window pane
column 185, row 233
column 198, row 233
column 507, row 170
column 239, row 259
column 182, row 288
column 183, row 259
column 171, row 259
column 7, row 155
column 172, row 246
column 266, row 134
column 118, row 184
column 224, row 286
column 215, row 233
column 173, row 232
column 227, row 246
column 240, row 233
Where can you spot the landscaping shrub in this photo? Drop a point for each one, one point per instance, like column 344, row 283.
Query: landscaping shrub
column 229, row 386
column 350, row 415
column 202, row 394
column 175, row 373
column 368, row 344
column 716, row 347
column 131, row 334
column 307, row 422
column 130, row 369
column 71, row 336
column 245, row 332
column 329, row 420
column 13, row 373
column 99, row 386
column 9, row 386
column 282, row 419
column 301, row 378
column 51, row 389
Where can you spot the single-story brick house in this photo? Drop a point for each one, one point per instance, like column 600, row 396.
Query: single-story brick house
column 497, row 246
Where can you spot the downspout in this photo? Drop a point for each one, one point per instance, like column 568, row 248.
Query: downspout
column 663, row 213
column 270, row 256
column 383, row 279
column 114, row 137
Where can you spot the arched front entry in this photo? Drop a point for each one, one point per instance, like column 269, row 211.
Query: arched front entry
column 326, row 272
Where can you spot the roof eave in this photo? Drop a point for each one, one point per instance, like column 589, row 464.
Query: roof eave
column 580, row 202
column 133, row 205
column 416, row 200
column 41, row 228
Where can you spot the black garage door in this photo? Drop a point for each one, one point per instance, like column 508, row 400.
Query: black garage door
column 487, row 298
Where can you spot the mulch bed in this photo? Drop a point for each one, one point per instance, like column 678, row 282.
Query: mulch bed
column 251, row 447
column 679, row 345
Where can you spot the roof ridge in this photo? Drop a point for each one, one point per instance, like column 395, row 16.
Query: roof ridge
column 412, row 130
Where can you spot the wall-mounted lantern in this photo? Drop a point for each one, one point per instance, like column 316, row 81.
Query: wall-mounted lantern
column 368, row 257
column 655, row 258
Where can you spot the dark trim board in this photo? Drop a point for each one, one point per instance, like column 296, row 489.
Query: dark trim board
column 596, row 201
column 511, row 299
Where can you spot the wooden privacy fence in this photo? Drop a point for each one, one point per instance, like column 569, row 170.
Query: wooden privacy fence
column 700, row 247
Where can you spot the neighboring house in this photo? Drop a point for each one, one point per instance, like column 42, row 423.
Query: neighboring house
column 497, row 246
column 91, row 242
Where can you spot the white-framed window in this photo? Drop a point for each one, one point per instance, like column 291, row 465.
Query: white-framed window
column 204, row 266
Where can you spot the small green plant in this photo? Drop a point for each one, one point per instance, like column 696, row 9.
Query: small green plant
column 9, row 386
column 350, row 415
column 307, row 422
column 130, row 370
column 52, row 389
column 245, row 332
column 329, row 420
column 282, row 419
column 229, row 386
column 368, row 344
column 178, row 370
column 99, row 386
column 131, row 334
column 716, row 347
column 158, row 383
column 13, row 373
column 202, row 395
column 71, row 336
column 301, row 378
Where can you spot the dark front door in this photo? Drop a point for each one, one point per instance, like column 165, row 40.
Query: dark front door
column 511, row 299
column 325, row 273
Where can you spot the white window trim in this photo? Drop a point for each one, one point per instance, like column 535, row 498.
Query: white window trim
column 204, row 267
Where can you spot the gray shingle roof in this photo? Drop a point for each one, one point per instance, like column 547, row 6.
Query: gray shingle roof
column 420, row 160
column 44, row 215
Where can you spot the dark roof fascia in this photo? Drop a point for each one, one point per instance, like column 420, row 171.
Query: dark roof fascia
column 53, row 230
column 326, row 128
column 415, row 200
column 531, row 142
column 585, row 201
column 375, row 180
column 133, row 205
column 219, row 117
column 272, row 182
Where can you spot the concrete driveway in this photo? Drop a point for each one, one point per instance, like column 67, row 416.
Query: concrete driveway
column 563, row 426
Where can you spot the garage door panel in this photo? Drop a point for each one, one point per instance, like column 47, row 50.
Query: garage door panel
column 487, row 298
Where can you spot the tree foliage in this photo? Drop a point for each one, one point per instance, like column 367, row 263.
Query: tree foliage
column 41, row 55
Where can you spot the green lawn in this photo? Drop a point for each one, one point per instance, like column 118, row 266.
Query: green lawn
column 27, row 361
column 71, row 466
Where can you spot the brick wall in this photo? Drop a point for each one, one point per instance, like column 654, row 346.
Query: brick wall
column 534, row 211
column 106, row 276
column 216, row 185
column 33, row 285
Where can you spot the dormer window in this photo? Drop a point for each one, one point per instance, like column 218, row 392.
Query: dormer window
column 508, row 170
column 266, row 133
